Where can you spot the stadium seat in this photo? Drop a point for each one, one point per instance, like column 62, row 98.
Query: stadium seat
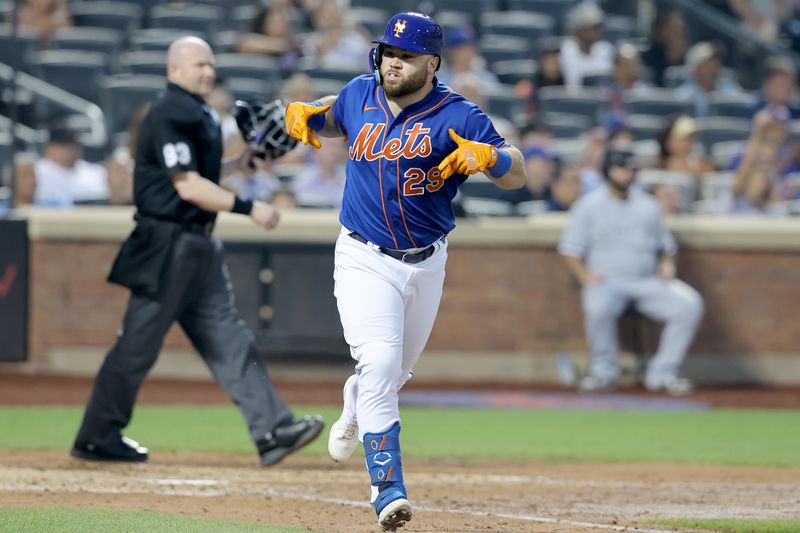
column 510, row 71
column 503, row 102
column 720, row 129
column 325, row 87
column 124, row 94
column 596, row 80
column 554, row 8
column 106, row 41
column 723, row 152
column 495, row 48
column 734, row 106
column 474, row 8
column 618, row 28
column 645, row 127
column 343, row 74
column 255, row 66
column 569, row 150
column 149, row 62
column 373, row 19
column 20, row 50
column 397, row 5
column 523, row 24
column 452, row 19
column 586, row 102
column 651, row 178
column 662, row 102
column 241, row 17
column 566, row 125
column 647, row 153
column 479, row 186
column 250, row 89
column 121, row 16
column 190, row 17
column 714, row 184
column 158, row 39
column 77, row 72
column 486, row 207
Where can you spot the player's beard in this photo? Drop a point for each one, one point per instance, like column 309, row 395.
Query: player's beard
column 409, row 85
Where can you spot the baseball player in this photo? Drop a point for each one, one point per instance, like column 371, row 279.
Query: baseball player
column 175, row 269
column 618, row 247
column 411, row 142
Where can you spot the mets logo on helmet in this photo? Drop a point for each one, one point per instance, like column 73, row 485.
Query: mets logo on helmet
column 399, row 27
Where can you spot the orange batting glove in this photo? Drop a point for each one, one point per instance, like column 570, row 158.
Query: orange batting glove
column 297, row 117
column 469, row 158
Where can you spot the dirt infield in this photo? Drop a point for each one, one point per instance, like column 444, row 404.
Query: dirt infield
column 450, row 496
column 314, row 493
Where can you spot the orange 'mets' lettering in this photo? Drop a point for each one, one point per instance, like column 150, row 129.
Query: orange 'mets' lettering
column 366, row 146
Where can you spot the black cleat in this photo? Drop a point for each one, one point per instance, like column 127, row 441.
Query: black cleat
column 288, row 438
column 125, row 450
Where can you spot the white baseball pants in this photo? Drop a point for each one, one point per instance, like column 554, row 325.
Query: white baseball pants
column 387, row 309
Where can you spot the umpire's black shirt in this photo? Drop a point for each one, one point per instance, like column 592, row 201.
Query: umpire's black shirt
column 179, row 134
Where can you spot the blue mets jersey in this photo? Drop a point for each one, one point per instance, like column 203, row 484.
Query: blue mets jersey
column 393, row 195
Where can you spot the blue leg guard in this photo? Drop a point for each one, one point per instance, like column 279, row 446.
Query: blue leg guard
column 385, row 465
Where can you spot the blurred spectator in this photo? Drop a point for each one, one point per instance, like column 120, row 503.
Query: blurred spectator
column 260, row 184
column 284, row 198
column 625, row 76
column 618, row 247
column 338, row 41
column 462, row 57
column 271, row 33
column 536, row 132
column 43, row 17
column 585, row 53
column 120, row 165
column 221, row 101
column 64, row 179
column 679, row 148
column 762, row 18
column 540, row 166
column 779, row 87
column 548, row 74
column 592, row 158
column 297, row 88
column 705, row 67
column 321, row 183
column 566, row 188
column 762, row 171
column 669, row 45
column 668, row 198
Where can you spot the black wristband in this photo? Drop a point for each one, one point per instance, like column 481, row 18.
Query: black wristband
column 243, row 207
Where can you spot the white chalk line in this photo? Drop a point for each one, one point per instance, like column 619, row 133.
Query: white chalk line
column 349, row 503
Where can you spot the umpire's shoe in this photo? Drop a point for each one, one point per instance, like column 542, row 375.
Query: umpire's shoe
column 288, row 438
column 125, row 450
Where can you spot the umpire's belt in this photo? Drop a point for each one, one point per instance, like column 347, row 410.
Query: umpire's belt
column 400, row 255
column 200, row 229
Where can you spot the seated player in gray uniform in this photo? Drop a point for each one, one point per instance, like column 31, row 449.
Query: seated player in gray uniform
column 618, row 247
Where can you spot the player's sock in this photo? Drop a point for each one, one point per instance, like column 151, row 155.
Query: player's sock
column 385, row 465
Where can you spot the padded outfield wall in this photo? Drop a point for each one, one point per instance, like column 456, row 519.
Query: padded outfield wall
column 509, row 306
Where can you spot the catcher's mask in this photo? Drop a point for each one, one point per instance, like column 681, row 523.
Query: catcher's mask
column 263, row 127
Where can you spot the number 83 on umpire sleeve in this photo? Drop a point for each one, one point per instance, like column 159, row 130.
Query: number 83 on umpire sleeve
column 176, row 153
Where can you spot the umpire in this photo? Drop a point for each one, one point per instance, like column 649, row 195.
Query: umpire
column 175, row 270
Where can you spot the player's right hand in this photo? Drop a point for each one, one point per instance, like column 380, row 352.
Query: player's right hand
column 265, row 215
column 297, row 115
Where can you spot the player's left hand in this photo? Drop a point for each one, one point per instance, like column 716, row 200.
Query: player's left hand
column 297, row 117
column 470, row 157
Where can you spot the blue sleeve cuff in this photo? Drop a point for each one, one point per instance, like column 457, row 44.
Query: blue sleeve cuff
column 317, row 122
column 502, row 166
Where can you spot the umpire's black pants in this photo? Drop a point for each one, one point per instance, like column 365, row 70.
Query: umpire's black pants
column 195, row 291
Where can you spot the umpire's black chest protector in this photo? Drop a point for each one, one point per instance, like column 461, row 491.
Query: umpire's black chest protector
column 180, row 134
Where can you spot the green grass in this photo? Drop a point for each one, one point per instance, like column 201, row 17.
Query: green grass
column 723, row 437
column 735, row 525
column 62, row 520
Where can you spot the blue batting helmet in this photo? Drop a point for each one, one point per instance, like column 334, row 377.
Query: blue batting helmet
column 414, row 32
